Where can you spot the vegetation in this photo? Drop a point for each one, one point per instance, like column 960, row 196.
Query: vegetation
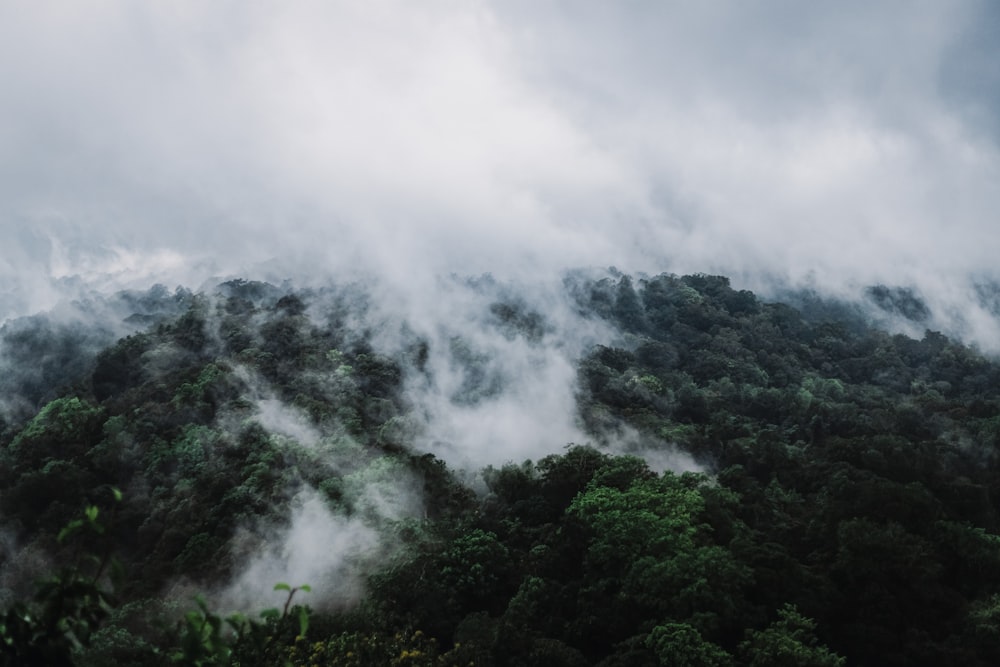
column 845, row 511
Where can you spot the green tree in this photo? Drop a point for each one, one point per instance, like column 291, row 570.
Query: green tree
column 681, row 645
column 649, row 553
column 788, row 642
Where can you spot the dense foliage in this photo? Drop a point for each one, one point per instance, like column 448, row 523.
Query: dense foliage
column 846, row 512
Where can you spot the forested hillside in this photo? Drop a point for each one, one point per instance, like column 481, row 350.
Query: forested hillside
column 761, row 483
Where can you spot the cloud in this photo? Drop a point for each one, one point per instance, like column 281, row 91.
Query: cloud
column 329, row 552
column 775, row 142
column 786, row 136
column 319, row 128
column 502, row 136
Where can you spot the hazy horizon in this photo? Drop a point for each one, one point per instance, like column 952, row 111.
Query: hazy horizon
column 778, row 143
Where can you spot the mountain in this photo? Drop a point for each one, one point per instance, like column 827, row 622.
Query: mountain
column 739, row 480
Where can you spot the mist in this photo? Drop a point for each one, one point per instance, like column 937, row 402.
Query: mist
column 419, row 148
column 840, row 147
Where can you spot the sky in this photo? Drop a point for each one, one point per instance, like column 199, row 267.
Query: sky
column 829, row 144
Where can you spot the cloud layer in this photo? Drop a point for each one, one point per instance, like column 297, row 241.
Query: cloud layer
column 846, row 144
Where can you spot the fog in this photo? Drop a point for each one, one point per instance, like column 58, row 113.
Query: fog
column 401, row 144
column 841, row 145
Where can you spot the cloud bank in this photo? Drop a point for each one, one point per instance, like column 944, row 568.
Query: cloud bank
column 848, row 144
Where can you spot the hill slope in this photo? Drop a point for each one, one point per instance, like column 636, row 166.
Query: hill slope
column 757, row 479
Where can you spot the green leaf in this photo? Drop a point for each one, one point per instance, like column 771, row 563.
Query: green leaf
column 69, row 529
column 282, row 586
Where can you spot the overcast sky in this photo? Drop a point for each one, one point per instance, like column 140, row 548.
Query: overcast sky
column 841, row 143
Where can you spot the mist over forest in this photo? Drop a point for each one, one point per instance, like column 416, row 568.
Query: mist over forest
column 499, row 333
column 610, row 470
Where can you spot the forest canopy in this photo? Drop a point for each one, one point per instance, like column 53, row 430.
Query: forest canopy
column 758, row 483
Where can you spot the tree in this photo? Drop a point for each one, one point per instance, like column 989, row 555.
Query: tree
column 681, row 645
column 788, row 642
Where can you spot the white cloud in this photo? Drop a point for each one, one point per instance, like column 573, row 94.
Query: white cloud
column 328, row 552
column 838, row 145
column 499, row 136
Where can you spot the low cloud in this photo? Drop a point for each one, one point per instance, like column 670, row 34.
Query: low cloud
column 331, row 553
column 397, row 144
column 775, row 142
column 286, row 421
